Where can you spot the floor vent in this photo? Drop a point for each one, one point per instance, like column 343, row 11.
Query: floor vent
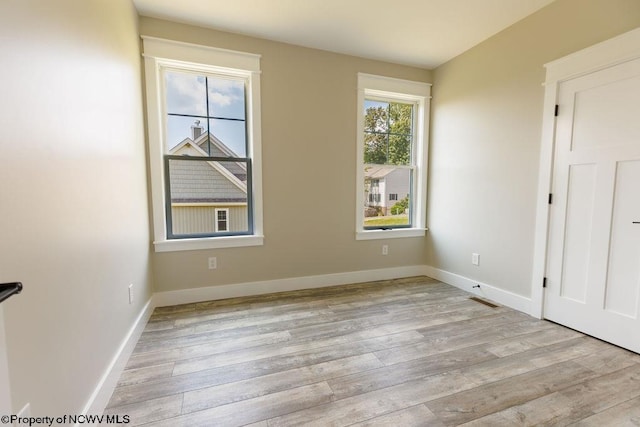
column 481, row 301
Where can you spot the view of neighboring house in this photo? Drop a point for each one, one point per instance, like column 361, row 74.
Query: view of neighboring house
column 207, row 196
column 384, row 187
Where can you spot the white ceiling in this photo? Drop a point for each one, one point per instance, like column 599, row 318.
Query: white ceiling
column 423, row 33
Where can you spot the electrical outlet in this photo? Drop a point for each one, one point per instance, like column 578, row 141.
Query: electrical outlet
column 130, row 293
column 213, row 263
column 475, row 259
column 385, row 249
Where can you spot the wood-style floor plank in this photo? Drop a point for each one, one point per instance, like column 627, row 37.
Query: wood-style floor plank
column 496, row 396
column 387, row 376
column 572, row 404
column 255, row 409
column 405, row 352
column 246, row 389
column 150, row 410
column 418, row 415
column 624, row 414
column 366, row 406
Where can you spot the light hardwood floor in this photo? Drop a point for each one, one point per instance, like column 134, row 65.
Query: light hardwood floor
column 391, row 353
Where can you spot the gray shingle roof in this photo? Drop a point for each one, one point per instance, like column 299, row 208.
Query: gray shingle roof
column 206, row 181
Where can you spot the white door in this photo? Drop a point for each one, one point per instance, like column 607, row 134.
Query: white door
column 593, row 265
column 5, row 391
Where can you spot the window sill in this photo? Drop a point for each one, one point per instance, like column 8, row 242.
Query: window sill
column 207, row 243
column 390, row 234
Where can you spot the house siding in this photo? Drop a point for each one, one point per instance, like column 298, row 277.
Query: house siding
column 397, row 182
column 201, row 219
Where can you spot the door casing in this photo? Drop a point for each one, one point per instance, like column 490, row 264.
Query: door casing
column 617, row 50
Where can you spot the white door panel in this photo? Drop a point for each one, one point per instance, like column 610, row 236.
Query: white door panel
column 580, row 199
column 593, row 266
column 601, row 118
column 623, row 275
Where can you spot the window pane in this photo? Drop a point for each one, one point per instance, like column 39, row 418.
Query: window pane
column 222, row 219
column 399, row 150
column 400, row 118
column 226, row 98
column 197, row 188
column 229, row 135
column 180, row 129
column 376, row 116
column 380, row 209
column 376, row 147
column 186, row 94
column 388, row 133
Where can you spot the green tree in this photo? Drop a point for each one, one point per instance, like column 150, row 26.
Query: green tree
column 387, row 138
column 400, row 207
column 376, row 138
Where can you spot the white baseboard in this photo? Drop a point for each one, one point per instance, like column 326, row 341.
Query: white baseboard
column 209, row 293
column 24, row 413
column 187, row 296
column 506, row 298
column 101, row 395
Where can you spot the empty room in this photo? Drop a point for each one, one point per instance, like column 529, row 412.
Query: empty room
column 325, row 213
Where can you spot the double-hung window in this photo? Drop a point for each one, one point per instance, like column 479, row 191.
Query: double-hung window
column 222, row 219
column 204, row 145
column 392, row 157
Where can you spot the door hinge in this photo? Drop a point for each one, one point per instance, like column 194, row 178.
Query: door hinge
column 544, row 282
column 555, row 112
column 550, row 198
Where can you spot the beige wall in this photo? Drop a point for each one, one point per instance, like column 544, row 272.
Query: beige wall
column 486, row 123
column 309, row 157
column 73, row 195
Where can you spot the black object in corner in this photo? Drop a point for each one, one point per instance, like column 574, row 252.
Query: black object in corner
column 8, row 289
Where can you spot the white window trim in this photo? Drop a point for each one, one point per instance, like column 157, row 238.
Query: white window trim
column 164, row 53
column 402, row 90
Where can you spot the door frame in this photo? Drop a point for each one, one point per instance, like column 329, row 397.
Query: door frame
column 623, row 48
